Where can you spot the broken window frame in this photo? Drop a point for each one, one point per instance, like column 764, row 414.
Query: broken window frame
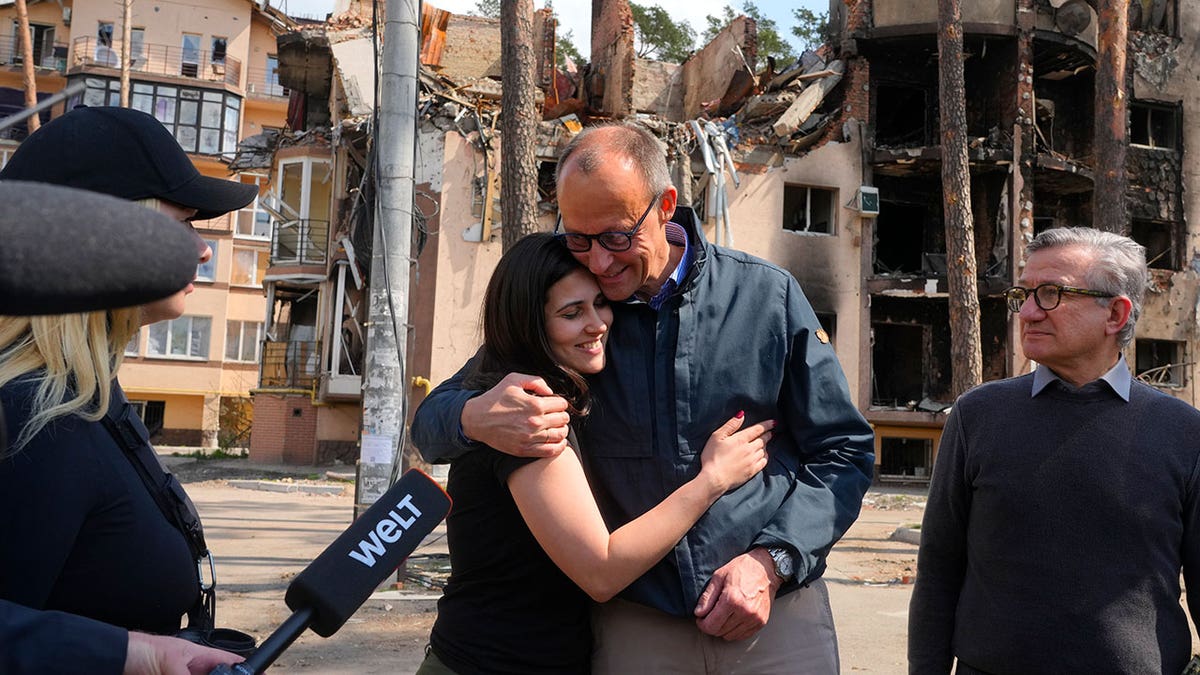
column 220, row 47
column 1167, row 371
column 308, row 234
column 923, row 353
column 920, row 473
column 343, row 309
column 1167, row 114
column 253, row 213
column 1168, row 25
column 928, row 114
column 105, row 33
column 41, row 38
column 1170, row 259
column 832, row 196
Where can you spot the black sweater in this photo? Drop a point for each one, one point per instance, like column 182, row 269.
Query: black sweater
column 506, row 608
column 1055, row 532
column 81, row 533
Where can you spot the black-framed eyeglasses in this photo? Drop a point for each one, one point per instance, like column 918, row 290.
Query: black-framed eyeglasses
column 1047, row 296
column 615, row 241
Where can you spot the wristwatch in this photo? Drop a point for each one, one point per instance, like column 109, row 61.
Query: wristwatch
column 785, row 567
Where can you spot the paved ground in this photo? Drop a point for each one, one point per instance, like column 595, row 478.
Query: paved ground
column 262, row 539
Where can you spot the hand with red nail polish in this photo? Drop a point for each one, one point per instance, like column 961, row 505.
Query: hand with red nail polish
column 732, row 457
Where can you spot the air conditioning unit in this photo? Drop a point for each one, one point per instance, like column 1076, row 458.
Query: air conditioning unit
column 866, row 200
column 66, row 16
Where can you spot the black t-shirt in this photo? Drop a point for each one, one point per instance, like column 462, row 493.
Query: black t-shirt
column 506, row 608
column 81, row 533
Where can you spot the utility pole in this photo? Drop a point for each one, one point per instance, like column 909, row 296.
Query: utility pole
column 965, row 350
column 26, row 41
column 126, row 52
column 1110, row 212
column 385, row 384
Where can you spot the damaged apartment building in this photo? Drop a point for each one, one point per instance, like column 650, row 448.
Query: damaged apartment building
column 828, row 167
column 1030, row 77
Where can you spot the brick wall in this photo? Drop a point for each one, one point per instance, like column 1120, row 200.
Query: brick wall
column 190, row 438
column 285, row 430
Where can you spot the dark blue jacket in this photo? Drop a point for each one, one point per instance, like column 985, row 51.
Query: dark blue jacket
column 739, row 335
column 33, row 641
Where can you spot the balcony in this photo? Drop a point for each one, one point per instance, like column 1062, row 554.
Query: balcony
column 299, row 242
column 263, row 83
column 290, row 365
column 152, row 59
column 46, row 56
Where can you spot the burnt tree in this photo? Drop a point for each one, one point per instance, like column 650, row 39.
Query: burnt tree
column 25, row 38
column 965, row 349
column 519, row 121
column 1112, row 106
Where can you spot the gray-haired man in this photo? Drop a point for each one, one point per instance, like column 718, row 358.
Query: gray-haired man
column 1065, row 502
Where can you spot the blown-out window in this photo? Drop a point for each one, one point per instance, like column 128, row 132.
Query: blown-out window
column 808, row 209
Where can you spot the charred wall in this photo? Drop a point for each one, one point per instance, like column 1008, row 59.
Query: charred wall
column 910, row 350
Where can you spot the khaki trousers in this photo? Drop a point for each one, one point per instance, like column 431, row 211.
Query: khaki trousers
column 799, row 639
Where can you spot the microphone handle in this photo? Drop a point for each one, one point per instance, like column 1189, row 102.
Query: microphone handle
column 272, row 647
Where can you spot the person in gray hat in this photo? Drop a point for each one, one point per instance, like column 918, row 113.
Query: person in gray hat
column 96, row 528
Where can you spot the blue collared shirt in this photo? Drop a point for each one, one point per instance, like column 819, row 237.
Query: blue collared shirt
column 1118, row 378
column 676, row 236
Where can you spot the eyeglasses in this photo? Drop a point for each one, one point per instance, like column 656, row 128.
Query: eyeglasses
column 615, row 241
column 1047, row 296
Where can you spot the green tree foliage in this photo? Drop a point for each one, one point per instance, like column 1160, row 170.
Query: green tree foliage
column 565, row 47
column 661, row 37
column 770, row 42
column 487, row 8
column 811, row 28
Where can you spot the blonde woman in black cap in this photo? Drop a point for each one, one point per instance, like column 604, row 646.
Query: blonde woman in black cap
column 93, row 525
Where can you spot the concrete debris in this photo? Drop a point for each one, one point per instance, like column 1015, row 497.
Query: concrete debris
column 785, row 112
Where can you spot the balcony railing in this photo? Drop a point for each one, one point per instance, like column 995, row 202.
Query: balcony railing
column 263, row 82
column 290, row 365
column 46, row 56
column 155, row 59
column 299, row 242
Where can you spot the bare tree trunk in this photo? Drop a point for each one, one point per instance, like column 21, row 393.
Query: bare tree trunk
column 126, row 51
column 965, row 358
column 26, row 41
column 1111, row 112
column 519, row 121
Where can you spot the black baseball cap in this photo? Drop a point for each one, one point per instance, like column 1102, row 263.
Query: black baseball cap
column 124, row 153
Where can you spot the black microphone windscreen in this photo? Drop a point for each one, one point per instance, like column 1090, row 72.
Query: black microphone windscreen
column 64, row 250
column 337, row 583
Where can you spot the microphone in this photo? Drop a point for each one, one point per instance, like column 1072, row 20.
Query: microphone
column 338, row 581
column 64, row 250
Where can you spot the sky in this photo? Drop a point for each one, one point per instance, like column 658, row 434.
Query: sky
column 575, row 15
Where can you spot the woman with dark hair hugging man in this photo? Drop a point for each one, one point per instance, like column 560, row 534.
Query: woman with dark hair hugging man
column 527, row 542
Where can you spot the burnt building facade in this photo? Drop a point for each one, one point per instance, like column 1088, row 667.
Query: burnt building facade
column 1030, row 80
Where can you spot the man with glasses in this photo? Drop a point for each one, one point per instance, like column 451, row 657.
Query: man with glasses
column 1064, row 502
column 700, row 332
